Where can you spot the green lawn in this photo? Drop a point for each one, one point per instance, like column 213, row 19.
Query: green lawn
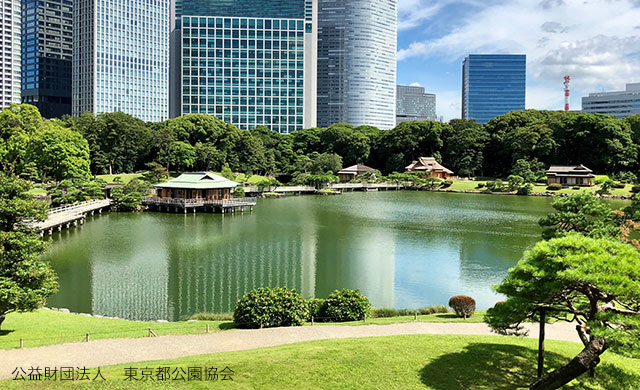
column 439, row 362
column 469, row 185
column 45, row 327
column 37, row 191
column 124, row 177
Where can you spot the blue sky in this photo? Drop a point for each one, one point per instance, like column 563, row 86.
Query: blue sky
column 596, row 42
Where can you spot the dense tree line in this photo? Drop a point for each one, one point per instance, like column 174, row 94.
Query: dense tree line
column 522, row 143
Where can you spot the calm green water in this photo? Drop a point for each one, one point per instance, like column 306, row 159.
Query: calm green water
column 401, row 249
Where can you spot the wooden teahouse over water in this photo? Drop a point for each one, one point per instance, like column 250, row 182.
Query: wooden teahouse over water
column 198, row 190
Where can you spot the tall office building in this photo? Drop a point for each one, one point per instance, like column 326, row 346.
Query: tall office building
column 492, row 85
column 357, row 62
column 248, row 62
column 620, row 104
column 414, row 104
column 47, row 37
column 121, row 57
column 10, row 52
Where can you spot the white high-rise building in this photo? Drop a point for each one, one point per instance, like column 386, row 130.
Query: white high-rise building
column 10, row 31
column 121, row 57
column 357, row 41
column 620, row 104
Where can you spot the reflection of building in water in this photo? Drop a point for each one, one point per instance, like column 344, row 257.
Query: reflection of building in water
column 221, row 270
column 130, row 278
column 362, row 257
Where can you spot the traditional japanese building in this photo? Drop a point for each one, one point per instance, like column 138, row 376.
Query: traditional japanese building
column 352, row 172
column 429, row 167
column 197, row 186
column 575, row 175
column 203, row 191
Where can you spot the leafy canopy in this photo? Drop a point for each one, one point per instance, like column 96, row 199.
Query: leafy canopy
column 592, row 281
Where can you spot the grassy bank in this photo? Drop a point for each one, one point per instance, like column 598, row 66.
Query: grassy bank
column 439, row 362
column 472, row 185
column 46, row 327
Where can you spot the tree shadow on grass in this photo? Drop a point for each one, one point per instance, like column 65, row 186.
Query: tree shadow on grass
column 227, row 326
column 5, row 332
column 504, row 366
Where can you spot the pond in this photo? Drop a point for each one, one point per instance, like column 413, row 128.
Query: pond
column 401, row 249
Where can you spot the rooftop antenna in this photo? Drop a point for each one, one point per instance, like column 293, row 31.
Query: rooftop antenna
column 567, row 92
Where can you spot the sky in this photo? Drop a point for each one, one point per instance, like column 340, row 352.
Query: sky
column 596, row 42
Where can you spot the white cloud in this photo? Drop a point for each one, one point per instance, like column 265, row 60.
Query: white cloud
column 415, row 84
column 596, row 42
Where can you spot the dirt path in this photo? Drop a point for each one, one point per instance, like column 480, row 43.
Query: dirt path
column 116, row 351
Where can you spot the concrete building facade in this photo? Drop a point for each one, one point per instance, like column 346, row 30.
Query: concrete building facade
column 620, row 104
column 414, row 104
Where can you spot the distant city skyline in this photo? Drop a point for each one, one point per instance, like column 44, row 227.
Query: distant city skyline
column 596, row 42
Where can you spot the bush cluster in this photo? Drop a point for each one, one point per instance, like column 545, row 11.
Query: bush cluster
column 463, row 305
column 389, row 312
column 619, row 185
column 446, row 183
column 316, row 308
column 635, row 189
column 554, row 187
column 346, row 305
column 270, row 307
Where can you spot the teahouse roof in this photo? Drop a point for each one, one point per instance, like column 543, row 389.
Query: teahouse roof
column 355, row 170
column 570, row 170
column 427, row 164
column 198, row 181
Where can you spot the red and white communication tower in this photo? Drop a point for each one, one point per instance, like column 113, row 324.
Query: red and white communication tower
column 567, row 92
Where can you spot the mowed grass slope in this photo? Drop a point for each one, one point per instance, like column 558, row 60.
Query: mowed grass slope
column 46, row 327
column 436, row 362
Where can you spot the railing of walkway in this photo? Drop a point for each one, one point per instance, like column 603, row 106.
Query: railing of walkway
column 234, row 202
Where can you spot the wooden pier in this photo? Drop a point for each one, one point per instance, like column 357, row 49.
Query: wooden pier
column 64, row 217
column 185, row 206
column 335, row 186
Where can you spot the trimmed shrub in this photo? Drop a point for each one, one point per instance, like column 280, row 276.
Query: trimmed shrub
column 619, row 185
column 480, row 185
column 635, row 189
column 317, row 308
column 387, row 312
column 269, row 307
column 463, row 305
column 211, row 317
column 554, row 187
column 433, row 310
column 347, row 305
column 575, row 188
column 446, row 183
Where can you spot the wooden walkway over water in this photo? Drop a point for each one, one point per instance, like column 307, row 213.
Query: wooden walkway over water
column 192, row 205
column 71, row 215
column 335, row 186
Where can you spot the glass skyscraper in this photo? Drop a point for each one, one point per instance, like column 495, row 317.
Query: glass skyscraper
column 413, row 104
column 10, row 27
column 248, row 62
column 121, row 57
column 493, row 85
column 357, row 42
column 47, row 37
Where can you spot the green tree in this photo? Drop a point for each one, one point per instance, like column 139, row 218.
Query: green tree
column 59, row 153
column 18, row 123
column 120, row 142
column 183, row 155
column 341, row 139
column 25, row 280
column 408, row 141
column 155, row 173
column 514, row 182
column 325, row 163
column 581, row 213
column 592, row 282
column 463, row 146
column 124, row 200
column 208, row 157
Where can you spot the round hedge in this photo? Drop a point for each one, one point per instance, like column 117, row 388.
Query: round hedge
column 463, row 305
column 346, row 305
column 270, row 307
